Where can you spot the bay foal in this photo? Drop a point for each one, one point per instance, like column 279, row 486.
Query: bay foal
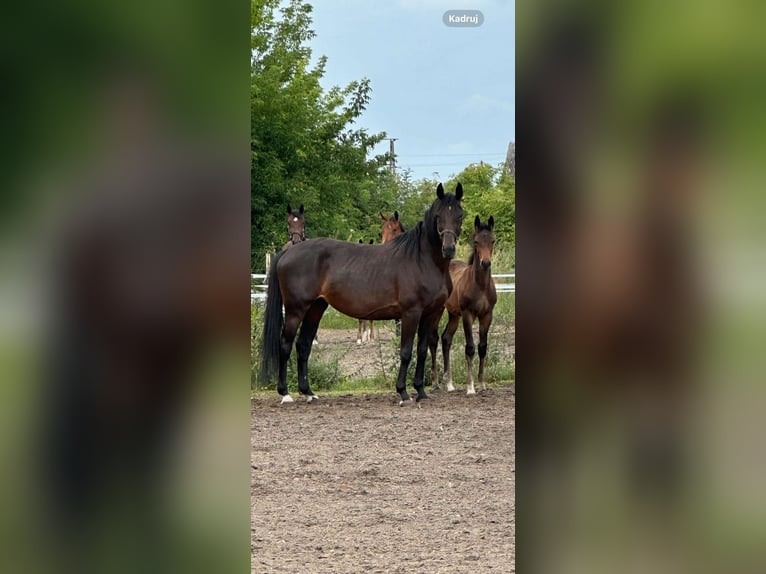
column 473, row 296
column 390, row 230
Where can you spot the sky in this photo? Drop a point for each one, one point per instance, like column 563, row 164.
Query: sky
column 446, row 93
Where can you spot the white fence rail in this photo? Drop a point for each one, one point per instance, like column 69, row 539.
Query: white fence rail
column 258, row 284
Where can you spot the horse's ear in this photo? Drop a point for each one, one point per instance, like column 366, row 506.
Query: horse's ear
column 491, row 223
column 383, row 215
column 301, row 209
column 396, row 216
column 440, row 191
column 360, row 241
column 477, row 223
column 459, row 191
column 370, row 241
column 289, row 209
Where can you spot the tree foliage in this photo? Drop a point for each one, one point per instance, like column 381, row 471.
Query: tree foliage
column 307, row 147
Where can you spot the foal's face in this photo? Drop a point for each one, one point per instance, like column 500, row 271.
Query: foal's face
column 392, row 227
column 296, row 227
column 483, row 241
column 449, row 219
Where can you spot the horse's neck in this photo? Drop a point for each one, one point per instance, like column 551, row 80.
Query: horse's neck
column 481, row 276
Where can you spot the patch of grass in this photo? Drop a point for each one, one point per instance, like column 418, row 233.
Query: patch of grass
column 334, row 319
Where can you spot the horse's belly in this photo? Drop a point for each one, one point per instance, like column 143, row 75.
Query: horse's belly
column 358, row 308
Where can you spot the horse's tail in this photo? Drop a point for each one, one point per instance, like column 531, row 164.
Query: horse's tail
column 271, row 341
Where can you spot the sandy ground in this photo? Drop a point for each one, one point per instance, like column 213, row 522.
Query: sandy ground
column 358, row 484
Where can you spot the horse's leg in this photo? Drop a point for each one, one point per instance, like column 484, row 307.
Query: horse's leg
column 372, row 331
column 447, row 334
column 304, row 344
column 292, row 322
column 359, row 332
column 409, row 327
column 470, row 350
column 433, row 343
column 427, row 325
column 484, row 323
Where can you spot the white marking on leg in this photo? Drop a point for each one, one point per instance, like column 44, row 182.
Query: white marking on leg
column 311, row 398
column 471, row 390
column 448, row 380
column 358, row 341
column 286, row 399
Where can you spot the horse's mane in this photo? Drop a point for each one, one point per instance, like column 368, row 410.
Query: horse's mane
column 410, row 240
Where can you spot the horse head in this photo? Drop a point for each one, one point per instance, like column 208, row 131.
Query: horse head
column 392, row 227
column 446, row 215
column 296, row 224
column 483, row 241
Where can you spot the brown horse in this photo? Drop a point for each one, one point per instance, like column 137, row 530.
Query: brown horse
column 392, row 227
column 390, row 230
column 296, row 226
column 407, row 278
column 473, row 295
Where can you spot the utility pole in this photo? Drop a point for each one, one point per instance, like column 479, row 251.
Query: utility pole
column 392, row 161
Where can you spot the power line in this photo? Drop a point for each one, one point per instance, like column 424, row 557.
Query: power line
column 450, row 154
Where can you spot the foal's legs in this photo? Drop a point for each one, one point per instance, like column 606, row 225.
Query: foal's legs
column 470, row 350
column 427, row 326
column 305, row 341
column 359, row 332
column 447, row 334
column 484, row 323
column 409, row 326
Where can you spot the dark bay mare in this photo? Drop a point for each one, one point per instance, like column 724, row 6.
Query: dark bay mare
column 390, row 230
column 406, row 279
column 473, row 296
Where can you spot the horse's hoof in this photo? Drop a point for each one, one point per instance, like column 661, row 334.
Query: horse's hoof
column 405, row 402
column 420, row 397
column 450, row 388
column 286, row 399
column 358, row 341
column 470, row 392
column 312, row 398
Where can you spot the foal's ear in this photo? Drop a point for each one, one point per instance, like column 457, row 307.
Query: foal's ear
column 491, row 223
column 396, row 216
column 289, row 209
column 459, row 191
column 383, row 215
column 370, row 242
column 477, row 223
column 440, row 191
column 301, row 209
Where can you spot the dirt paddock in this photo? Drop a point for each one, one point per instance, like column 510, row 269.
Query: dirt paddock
column 359, row 484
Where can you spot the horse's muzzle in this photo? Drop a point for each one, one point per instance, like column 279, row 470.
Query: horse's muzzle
column 486, row 263
column 448, row 251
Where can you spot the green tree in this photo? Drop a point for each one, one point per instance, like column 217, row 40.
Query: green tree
column 305, row 144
